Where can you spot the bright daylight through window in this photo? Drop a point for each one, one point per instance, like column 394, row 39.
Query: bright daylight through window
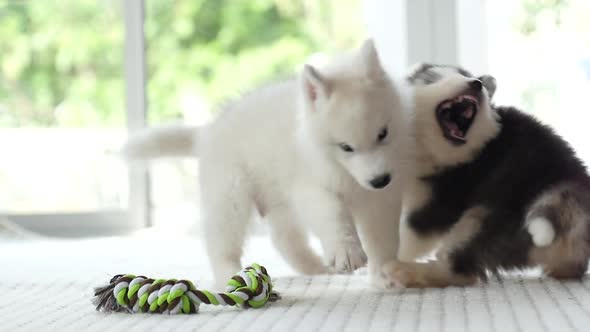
column 539, row 51
column 62, row 83
column 61, row 106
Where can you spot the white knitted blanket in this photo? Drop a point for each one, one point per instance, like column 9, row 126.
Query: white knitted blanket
column 47, row 286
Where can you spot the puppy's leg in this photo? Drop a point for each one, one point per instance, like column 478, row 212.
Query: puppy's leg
column 377, row 216
column 439, row 273
column 413, row 246
column 566, row 258
column 329, row 219
column 421, row 275
column 227, row 207
column 292, row 242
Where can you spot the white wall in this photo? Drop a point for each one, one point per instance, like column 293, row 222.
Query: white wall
column 438, row 31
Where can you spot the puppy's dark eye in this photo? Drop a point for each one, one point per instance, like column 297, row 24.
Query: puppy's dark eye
column 382, row 134
column 345, row 147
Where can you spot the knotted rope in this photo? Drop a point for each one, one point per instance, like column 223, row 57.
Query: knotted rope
column 251, row 287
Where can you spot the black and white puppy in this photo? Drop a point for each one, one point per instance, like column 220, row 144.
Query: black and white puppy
column 488, row 188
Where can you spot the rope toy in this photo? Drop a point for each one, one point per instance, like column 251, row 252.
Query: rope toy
column 249, row 288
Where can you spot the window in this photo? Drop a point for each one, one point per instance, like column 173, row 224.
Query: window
column 72, row 82
column 539, row 52
column 62, row 107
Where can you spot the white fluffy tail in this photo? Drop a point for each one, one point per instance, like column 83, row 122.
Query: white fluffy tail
column 165, row 141
column 541, row 231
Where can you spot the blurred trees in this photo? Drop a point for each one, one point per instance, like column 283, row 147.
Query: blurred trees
column 534, row 12
column 548, row 25
column 61, row 61
column 555, row 16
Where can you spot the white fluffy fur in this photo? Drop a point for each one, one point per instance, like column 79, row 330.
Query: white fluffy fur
column 275, row 152
column 165, row 141
column 541, row 231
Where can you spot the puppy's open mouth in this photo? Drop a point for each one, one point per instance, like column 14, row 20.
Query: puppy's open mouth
column 455, row 117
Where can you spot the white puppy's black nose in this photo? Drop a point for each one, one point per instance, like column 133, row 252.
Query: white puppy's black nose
column 381, row 181
column 476, row 85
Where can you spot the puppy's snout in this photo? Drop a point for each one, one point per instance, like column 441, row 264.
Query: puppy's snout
column 476, row 85
column 381, row 181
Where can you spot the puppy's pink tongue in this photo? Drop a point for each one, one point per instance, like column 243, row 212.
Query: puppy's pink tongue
column 452, row 126
column 468, row 112
column 457, row 133
column 454, row 130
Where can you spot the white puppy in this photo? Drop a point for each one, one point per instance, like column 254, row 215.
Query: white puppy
column 314, row 153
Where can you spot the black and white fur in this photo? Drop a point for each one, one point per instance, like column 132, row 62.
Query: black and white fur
column 510, row 194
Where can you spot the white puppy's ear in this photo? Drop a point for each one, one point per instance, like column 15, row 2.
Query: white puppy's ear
column 373, row 69
column 489, row 82
column 314, row 84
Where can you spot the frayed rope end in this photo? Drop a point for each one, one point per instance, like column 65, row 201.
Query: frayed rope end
column 104, row 298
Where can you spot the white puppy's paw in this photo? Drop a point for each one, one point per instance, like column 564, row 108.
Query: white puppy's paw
column 347, row 257
column 541, row 231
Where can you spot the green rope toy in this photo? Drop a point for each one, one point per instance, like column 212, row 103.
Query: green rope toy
column 249, row 288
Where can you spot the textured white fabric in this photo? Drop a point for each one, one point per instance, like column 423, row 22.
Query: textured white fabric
column 47, row 286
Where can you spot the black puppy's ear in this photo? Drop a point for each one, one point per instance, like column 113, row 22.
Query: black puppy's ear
column 489, row 82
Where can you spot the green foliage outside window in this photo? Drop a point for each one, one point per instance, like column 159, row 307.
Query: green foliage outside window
column 61, row 61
